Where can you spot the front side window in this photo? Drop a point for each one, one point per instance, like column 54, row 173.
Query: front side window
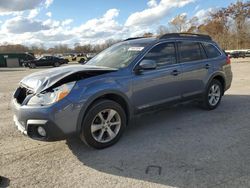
column 163, row 54
column 190, row 51
column 211, row 50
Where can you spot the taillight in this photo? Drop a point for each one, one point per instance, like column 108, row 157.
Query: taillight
column 228, row 60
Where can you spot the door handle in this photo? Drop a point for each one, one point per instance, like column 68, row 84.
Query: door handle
column 175, row 73
column 207, row 66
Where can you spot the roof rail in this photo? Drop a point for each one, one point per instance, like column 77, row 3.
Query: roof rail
column 178, row 35
column 133, row 38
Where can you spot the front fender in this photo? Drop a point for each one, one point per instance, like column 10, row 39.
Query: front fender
column 98, row 90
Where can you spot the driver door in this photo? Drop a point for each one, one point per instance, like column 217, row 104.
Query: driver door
column 161, row 85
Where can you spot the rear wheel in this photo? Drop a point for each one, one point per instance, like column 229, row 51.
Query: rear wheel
column 82, row 61
column 32, row 65
column 56, row 64
column 103, row 124
column 213, row 95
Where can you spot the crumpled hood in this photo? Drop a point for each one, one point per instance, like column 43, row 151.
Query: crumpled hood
column 42, row 80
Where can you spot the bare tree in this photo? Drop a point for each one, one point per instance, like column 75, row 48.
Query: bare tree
column 240, row 12
column 161, row 30
column 148, row 34
column 179, row 23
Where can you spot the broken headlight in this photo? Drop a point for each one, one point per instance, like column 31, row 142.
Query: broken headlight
column 52, row 96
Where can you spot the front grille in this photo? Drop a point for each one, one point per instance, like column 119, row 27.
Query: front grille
column 21, row 94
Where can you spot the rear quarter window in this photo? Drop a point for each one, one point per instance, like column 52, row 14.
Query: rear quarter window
column 211, row 50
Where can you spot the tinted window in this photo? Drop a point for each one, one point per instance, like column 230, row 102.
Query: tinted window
column 211, row 50
column 190, row 51
column 163, row 54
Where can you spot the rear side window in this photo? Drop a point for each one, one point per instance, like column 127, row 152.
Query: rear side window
column 163, row 54
column 190, row 51
column 211, row 50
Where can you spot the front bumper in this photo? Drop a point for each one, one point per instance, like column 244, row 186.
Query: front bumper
column 58, row 121
column 19, row 126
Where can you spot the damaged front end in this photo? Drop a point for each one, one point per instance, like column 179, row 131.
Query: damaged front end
column 47, row 88
column 36, row 107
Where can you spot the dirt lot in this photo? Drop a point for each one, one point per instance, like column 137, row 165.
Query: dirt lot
column 180, row 147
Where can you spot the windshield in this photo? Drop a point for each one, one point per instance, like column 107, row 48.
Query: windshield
column 117, row 56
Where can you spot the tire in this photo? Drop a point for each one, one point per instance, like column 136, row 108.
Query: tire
column 82, row 61
column 213, row 95
column 95, row 132
column 56, row 64
column 32, row 65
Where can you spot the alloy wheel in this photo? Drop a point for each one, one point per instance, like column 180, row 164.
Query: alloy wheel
column 214, row 95
column 106, row 125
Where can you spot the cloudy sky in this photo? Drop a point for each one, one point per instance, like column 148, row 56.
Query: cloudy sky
column 51, row 22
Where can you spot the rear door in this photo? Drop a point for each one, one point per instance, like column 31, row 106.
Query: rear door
column 195, row 67
column 161, row 85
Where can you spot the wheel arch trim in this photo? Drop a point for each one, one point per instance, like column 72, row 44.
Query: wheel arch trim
column 213, row 76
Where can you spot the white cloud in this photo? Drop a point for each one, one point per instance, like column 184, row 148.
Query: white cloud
column 111, row 13
column 51, row 23
column 16, row 7
column 204, row 14
column 19, row 25
column 154, row 14
column 7, row 6
column 67, row 22
column 152, row 3
column 49, row 14
column 201, row 13
column 15, row 38
column 48, row 3
column 33, row 13
column 101, row 27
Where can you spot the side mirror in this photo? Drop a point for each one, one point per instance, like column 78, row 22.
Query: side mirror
column 147, row 64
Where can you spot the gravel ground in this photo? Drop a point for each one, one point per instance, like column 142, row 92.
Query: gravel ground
column 184, row 146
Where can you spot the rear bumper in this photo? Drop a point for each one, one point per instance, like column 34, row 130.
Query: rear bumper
column 228, row 81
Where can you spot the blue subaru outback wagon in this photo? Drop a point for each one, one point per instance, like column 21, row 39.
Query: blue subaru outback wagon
column 96, row 101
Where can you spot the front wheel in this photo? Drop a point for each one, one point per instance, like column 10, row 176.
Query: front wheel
column 213, row 95
column 56, row 64
column 103, row 124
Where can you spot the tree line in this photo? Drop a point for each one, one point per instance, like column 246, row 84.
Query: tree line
column 57, row 49
column 230, row 27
